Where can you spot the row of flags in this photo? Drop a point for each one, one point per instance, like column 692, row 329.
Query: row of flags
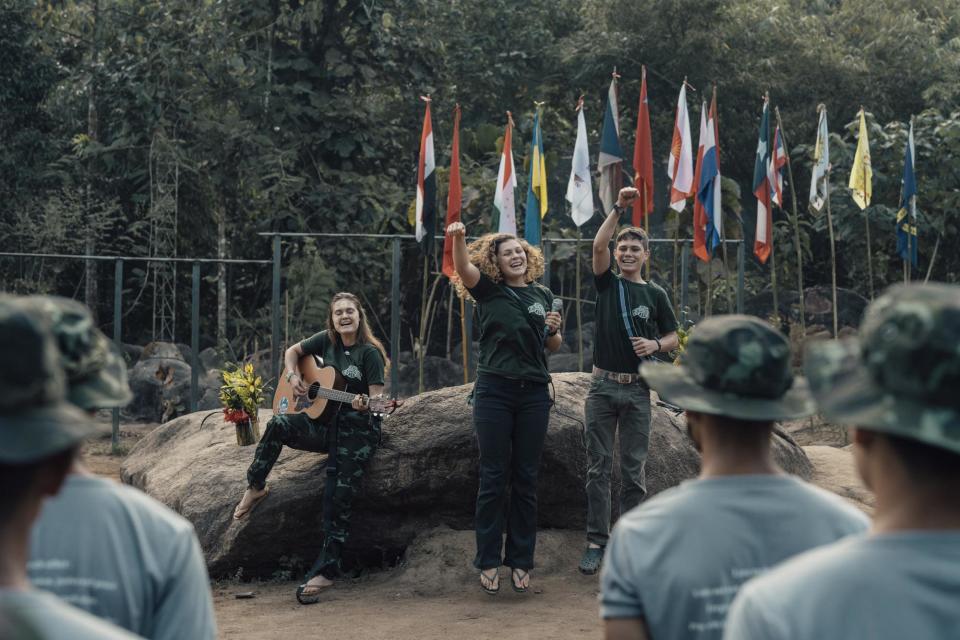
column 699, row 178
column 861, row 182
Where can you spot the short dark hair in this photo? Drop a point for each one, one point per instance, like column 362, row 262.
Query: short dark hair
column 634, row 232
column 924, row 462
column 17, row 479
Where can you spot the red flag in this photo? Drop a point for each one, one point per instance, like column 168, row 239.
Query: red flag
column 699, row 213
column 643, row 157
column 454, row 195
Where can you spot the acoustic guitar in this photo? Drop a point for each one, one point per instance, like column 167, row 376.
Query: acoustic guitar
column 325, row 391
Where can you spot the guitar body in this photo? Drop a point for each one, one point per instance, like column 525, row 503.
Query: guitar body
column 315, row 404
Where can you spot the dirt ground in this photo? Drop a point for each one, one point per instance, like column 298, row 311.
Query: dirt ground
column 435, row 597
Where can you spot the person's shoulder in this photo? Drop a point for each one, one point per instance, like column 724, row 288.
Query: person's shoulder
column 541, row 289
column 831, row 503
column 675, row 503
column 163, row 520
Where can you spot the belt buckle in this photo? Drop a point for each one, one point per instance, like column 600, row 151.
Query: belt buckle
column 623, row 378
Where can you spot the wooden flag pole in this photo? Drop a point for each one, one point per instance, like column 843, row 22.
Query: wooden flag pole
column 579, row 319
column 833, row 253
column 646, row 227
column 866, row 220
column 463, row 341
column 796, row 224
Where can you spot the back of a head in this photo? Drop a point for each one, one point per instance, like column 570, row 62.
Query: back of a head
column 900, row 378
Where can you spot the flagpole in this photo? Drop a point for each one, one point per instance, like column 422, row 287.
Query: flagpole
column 463, row 342
column 866, row 218
column 773, row 255
column 579, row 322
column 796, row 224
column 833, row 249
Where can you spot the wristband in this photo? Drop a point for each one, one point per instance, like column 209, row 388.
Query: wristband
column 618, row 209
column 289, row 375
column 552, row 332
column 659, row 348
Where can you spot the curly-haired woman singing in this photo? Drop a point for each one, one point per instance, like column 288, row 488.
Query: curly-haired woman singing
column 349, row 345
column 511, row 403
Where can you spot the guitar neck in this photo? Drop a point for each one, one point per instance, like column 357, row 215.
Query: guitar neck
column 333, row 394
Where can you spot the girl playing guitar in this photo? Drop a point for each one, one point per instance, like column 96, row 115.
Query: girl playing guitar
column 349, row 346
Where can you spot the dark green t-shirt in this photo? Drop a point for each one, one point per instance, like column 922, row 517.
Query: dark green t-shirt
column 360, row 365
column 650, row 314
column 511, row 330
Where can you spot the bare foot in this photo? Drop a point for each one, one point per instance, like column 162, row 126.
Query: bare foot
column 251, row 498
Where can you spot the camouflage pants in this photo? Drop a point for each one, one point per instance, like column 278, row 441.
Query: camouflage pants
column 357, row 440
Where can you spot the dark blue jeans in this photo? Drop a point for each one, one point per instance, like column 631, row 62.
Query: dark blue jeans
column 510, row 417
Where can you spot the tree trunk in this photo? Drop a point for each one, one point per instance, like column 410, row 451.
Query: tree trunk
column 90, row 267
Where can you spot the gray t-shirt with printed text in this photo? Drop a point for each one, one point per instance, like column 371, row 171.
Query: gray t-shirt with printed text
column 888, row 586
column 678, row 559
column 121, row 555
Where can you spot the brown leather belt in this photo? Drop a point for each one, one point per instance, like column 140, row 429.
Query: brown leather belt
column 619, row 378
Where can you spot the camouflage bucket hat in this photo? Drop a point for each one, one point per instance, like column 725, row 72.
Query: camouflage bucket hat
column 36, row 421
column 736, row 366
column 902, row 376
column 95, row 370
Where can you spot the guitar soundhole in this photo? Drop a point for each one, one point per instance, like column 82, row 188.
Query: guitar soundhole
column 312, row 391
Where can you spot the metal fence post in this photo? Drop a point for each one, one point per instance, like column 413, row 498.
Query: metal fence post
column 195, row 338
column 395, row 318
column 275, row 314
column 117, row 319
column 684, row 277
column 740, row 266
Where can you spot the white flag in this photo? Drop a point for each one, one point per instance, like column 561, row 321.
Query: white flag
column 680, row 166
column 579, row 188
column 821, row 164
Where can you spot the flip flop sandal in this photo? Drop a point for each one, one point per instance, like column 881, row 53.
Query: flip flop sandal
column 240, row 515
column 518, row 573
column 313, row 598
column 490, row 590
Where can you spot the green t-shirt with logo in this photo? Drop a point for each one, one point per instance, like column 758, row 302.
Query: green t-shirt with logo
column 650, row 314
column 512, row 329
column 360, row 365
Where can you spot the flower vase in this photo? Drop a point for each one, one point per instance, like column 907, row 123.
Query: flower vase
column 248, row 431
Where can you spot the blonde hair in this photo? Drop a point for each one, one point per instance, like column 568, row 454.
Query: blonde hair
column 483, row 255
column 364, row 334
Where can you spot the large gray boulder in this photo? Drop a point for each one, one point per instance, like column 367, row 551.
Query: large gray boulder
column 424, row 475
column 160, row 382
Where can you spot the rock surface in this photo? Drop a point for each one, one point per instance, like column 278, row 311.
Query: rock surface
column 423, row 476
column 834, row 470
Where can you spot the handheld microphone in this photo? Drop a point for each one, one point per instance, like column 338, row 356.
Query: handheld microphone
column 556, row 307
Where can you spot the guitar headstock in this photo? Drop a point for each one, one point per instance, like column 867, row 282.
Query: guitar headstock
column 382, row 407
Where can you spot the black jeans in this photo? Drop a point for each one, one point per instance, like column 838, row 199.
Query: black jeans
column 510, row 417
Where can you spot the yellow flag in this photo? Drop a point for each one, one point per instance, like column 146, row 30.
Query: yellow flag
column 861, row 176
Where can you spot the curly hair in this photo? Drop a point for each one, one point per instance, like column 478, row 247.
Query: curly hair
column 483, row 255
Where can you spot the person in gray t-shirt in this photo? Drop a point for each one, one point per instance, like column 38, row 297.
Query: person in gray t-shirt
column 104, row 547
column 674, row 563
column 40, row 432
column 899, row 385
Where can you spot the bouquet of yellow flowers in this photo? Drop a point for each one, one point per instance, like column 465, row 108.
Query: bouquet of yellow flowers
column 241, row 396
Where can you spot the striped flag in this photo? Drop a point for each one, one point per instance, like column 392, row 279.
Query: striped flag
column 579, row 187
column 680, row 167
column 454, row 195
column 777, row 162
column 907, row 228
column 426, row 185
column 537, row 186
column 763, row 242
column 611, row 155
column 503, row 197
column 699, row 213
column 643, row 156
column 708, row 190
